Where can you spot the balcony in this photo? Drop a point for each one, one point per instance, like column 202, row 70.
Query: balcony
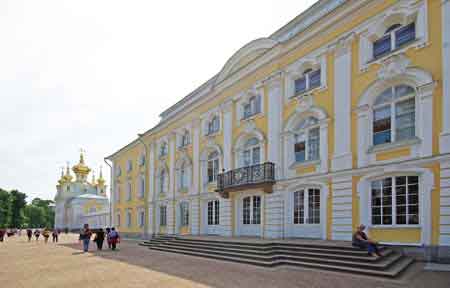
column 250, row 177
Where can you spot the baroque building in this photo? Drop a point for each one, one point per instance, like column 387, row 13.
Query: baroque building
column 339, row 118
column 79, row 201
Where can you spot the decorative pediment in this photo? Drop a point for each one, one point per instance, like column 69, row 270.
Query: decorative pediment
column 304, row 103
column 393, row 67
column 250, row 126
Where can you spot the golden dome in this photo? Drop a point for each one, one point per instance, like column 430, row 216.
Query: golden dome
column 81, row 168
column 67, row 177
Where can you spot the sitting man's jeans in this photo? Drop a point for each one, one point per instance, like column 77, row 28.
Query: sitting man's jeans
column 371, row 248
column 86, row 245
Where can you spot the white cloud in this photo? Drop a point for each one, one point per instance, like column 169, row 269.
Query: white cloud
column 93, row 73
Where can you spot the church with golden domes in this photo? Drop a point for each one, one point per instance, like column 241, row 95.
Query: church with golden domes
column 79, row 201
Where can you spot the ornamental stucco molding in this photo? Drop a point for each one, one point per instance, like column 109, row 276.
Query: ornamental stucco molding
column 393, row 66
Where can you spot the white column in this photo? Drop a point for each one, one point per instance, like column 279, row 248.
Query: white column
column 445, row 135
column 426, row 118
column 342, row 208
column 342, row 158
column 151, row 190
column 444, row 235
column 227, row 112
column 323, row 145
column 274, row 114
column 112, row 197
column 172, row 151
column 196, row 156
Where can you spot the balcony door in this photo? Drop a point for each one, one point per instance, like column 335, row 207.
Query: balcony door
column 249, row 219
column 251, row 154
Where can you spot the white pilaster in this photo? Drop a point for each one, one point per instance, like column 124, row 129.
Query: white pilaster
column 172, row 151
column 445, row 135
column 151, row 190
column 274, row 116
column 444, row 235
column 227, row 113
column 225, row 217
column 196, row 156
column 342, row 208
column 342, row 158
column 363, row 135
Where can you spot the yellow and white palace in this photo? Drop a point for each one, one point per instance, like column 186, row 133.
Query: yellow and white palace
column 340, row 117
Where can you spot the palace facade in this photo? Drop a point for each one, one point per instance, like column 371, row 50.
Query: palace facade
column 340, row 117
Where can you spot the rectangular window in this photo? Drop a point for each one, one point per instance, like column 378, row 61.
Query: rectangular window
column 407, row 200
column 405, row 35
column 314, row 79
column 382, row 125
column 216, row 212
column 213, row 170
column 141, row 219
column 210, row 213
column 300, row 85
column 300, row 148
column 256, row 155
column 247, row 111
column 313, row 144
column 314, row 206
column 382, row 202
column 246, row 211
column 162, row 215
column 405, row 118
column 128, row 219
column 256, row 210
column 129, row 191
column 142, row 188
column 382, row 46
column 184, row 214
column 299, row 208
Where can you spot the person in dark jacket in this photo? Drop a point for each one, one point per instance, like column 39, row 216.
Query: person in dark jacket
column 29, row 234
column 55, row 235
column 37, row 233
column 99, row 238
column 85, row 237
column 2, row 234
column 115, row 238
column 361, row 240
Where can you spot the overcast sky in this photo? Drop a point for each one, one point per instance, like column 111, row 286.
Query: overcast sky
column 92, row 74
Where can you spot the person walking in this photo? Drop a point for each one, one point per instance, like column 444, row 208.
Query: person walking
column 115, row 238
column 46, row 234
column 85, row 237
column 55, row 236
column 99, row 238
column 2, row 235
column 37, row 233
column 108, row 240
column 29, row 234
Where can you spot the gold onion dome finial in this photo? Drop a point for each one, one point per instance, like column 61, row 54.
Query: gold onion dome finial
column 61, row 180
column 67, row 176
column 100, row 179
column 81, row 168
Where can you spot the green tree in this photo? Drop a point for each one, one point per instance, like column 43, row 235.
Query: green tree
column 18, row 203
column 34, row 216
column 5, row 208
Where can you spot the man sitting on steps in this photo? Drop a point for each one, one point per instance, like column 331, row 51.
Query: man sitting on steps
column 361, row 240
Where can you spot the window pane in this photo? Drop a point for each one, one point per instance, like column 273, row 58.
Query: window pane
column 314, row 79
column 405, row 34
column 256, row 210
column 300, row 85
column 210, row 213
column 405, row 119
column 299, row 207
column 382, row 125
column 403, row 90
column 246, row 210
column 313, row 144
column 256, row 155
column 216, row 212
column 382, row 46
column 300, row 151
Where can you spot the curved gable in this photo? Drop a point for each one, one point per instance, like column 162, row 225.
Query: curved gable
column 245, row 55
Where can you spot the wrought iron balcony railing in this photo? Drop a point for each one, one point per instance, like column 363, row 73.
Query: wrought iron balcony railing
column 246, row 177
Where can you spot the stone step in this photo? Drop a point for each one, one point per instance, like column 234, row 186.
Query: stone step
column 281, row 246
column 393, row 270
column 384, row 263
column 301, row 252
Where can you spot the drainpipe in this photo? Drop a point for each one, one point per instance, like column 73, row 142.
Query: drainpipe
column 147, row 159
column 111, row 190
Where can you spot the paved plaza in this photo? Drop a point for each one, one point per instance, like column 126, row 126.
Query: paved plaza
column 36, row 264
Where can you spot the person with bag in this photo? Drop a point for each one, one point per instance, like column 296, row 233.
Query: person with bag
column 115, row 238
column 85, row 237
column 99, row 238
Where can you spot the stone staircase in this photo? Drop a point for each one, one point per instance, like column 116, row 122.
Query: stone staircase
column 342, row 257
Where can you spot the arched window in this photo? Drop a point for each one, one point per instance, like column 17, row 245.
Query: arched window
column 395, row 37
column 252, row 107
column 394, row 115
column 251, row 154
column 213, row 166
column 307, row 140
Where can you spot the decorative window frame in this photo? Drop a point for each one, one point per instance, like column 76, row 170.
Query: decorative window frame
column 316, row 60
column 129, row 165
column 289, row 203
column 162, row 167
column 164, row 141
column 207, row 117
column 129, row 190
column 244, row 98
column 403, row 13
column 305, row 109
column 140, row 223
column 162, row 204
column 426, row 187
column 210, row 147
column 396, row 71
column 141, row 186
column 180, row 134
column 180, row 213
column 250, row 131
column 128, row 217
column 184, row 160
